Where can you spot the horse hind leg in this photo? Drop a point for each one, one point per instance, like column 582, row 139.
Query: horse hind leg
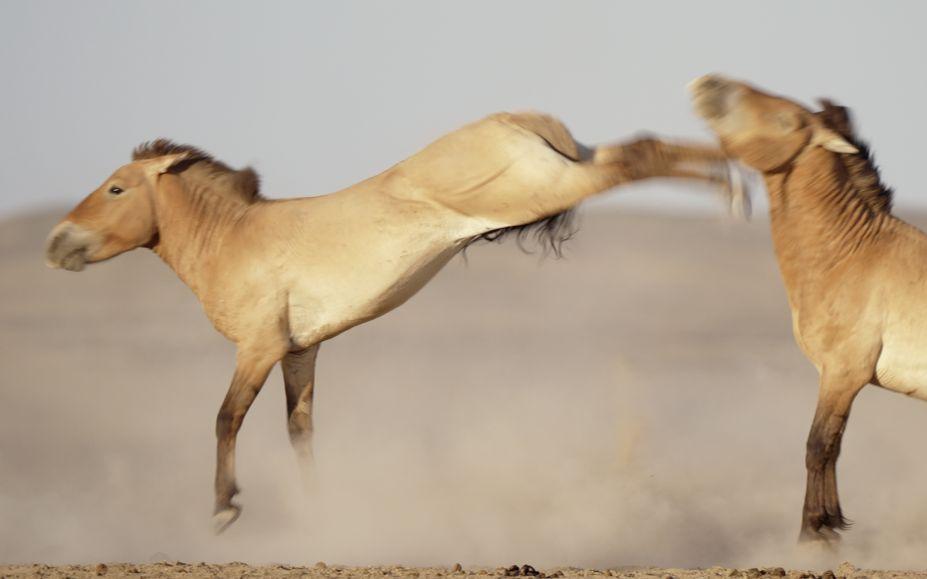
column 299, row 381
column 649, row 157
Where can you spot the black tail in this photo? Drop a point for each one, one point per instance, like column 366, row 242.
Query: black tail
column 550, row 233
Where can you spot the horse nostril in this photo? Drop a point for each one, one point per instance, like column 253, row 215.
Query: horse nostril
column 54, row 243
column 712, row 83
column 74, row 261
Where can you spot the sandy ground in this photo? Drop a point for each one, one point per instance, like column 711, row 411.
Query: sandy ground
column 321, row 570
column 640, row 402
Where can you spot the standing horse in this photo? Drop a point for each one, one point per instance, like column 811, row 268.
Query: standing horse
column 279, row 277
column 855, row 275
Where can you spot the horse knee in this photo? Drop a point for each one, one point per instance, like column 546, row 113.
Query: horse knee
column 227, row 422
column 816, row 454
column 822, row 447
column 223, row 422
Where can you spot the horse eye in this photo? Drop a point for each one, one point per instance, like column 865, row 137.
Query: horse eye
column 115, row 190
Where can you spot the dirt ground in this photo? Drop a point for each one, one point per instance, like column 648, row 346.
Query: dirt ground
column 640, row 402
column 321, row 570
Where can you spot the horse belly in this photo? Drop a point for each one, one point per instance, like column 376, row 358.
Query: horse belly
column 320, row 312
column 902, row 368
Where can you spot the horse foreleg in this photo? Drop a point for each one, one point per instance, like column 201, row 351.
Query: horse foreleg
column 299, row 381
column 251, row 370
column 822, row 516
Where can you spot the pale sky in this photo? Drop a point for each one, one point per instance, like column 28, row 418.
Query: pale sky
column 319, row 95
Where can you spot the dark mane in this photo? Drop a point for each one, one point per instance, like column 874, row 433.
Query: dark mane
column 550, row 232
column 861, row 167
column 246, row 183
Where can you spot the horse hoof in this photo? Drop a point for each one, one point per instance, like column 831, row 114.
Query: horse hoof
column 222, row 519
column 738, row 195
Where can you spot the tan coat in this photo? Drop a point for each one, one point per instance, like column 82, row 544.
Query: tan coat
column 855, row 275
column 279, row 277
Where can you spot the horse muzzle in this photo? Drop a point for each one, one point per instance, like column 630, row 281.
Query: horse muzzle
column 712, row 96
column 69, row 245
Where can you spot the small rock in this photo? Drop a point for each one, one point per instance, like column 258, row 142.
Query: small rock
column 846, row 569
column 101, row 569
column 321, row 565
column 734, row 573
column 776, row 572
column 828, row 575
column 528, row 571
column 458, row 568
column 512, row 571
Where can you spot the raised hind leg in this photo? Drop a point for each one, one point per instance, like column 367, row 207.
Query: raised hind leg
column 822, row 516
column 251, row 370
column 532, row 180
column 299, row 380
column 649, row 157
column 647, row 151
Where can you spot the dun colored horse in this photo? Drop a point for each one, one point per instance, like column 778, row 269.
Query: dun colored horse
column 280, row 277
column 855, row 275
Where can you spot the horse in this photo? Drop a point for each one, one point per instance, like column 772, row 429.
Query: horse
column 855, row 274
column 279, row 277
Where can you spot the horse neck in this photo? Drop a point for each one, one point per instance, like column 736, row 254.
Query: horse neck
column 819, row 220
column 193, row 221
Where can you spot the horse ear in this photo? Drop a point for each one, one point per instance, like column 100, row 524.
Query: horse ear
column 832, row 141
column 836, row 116
column 163, row 164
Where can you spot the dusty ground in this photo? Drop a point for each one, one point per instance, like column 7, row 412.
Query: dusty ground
column 321, row 570
column 638, row 403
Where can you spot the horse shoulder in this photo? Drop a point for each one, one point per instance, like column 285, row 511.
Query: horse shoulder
column 247, row 289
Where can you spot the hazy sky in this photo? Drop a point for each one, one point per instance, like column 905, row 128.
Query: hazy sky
column 319, row 95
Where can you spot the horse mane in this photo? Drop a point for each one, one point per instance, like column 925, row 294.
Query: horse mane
column 861, row 167
column 245, row 183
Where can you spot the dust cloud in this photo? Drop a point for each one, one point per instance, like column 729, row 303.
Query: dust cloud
column 640, row 402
